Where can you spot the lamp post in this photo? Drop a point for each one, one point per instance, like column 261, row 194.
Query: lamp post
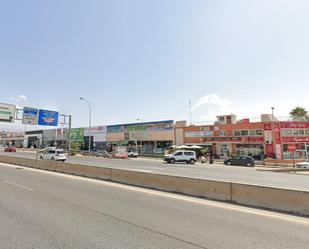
column 139, row 120
column 81, row 98
column 273, row 131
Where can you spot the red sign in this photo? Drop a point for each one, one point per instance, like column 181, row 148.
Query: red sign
column 255, row 139
column 295, row 139
column 300, row 124
column 267, row 127
column 292, row 147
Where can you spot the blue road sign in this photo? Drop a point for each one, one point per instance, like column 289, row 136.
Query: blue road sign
column 30, row 116
column 48, row 118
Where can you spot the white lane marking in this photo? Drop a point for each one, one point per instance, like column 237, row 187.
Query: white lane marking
column 248, row 210
column 19, row 186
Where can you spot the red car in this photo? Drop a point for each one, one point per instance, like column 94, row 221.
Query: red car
column 10, row 149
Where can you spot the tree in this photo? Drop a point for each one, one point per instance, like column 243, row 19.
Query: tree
column 299, row 113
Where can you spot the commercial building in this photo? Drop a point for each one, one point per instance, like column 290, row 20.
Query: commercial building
column 267, row 138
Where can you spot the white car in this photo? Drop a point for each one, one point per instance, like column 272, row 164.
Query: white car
column 53, row 154
column 302, row 165
column 132, row 153
column 186, row 156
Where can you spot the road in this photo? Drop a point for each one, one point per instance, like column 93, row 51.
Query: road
column 203, row 171
column 46, row 210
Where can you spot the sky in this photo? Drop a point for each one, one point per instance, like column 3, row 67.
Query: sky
column 146, row 59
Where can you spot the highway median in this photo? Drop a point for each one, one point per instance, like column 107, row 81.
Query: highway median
column 277, row 199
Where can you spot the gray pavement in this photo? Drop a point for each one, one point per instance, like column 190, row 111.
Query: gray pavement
column 45, row 210
column 202, row 171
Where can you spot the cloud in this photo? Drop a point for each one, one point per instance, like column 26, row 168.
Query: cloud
column 18, row 98
column 212, row 101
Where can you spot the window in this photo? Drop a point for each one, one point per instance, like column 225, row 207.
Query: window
column 295, row 132
column 222, row 133
column 283, row 132
column 259, row 132
column 252, row 132
column 301, row 132
column 193, row 134
column 289, row 132
column 307, row 131
column 237, row 133
column 179, row 153
column 244, row 132
column 189, row 153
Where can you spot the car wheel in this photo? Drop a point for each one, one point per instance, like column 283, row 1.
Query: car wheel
column 229, row 163
column 248, row 164
column 41, row 158
column 63, row 160
column 53, row 159
column 192, row 161
column 172, row 160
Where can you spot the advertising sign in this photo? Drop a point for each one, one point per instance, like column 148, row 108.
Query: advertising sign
column 48, row 118
column 77, row 134
column 98, row 133
column 7, row 113
column 292, row 147
column 30, row 116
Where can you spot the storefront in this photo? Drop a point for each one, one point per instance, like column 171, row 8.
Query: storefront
column 146, row 138
column 295, row 133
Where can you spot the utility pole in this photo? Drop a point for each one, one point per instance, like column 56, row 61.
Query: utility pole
column 273, row 131
column 190, row 108
column 89, row 144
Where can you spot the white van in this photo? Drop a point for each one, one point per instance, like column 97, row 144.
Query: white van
column 186, row 156
column 53, row 154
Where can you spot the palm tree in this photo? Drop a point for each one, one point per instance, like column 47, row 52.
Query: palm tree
column 299, row 113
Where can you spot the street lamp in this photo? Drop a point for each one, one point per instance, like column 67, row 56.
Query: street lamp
column 273, row 131
column 139, row 120
column 83, row 99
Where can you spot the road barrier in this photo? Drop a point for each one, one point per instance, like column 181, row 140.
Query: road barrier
column 286, row 200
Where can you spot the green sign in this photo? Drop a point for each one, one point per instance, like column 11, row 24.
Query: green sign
column 77, row 134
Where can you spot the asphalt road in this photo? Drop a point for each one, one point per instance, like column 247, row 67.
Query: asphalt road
column 46, row 210
column 203, row 171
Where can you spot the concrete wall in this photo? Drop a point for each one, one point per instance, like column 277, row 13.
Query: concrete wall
column 285, row 200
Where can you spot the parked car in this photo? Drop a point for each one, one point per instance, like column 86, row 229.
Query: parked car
column 132, row 153
column 240, row 161
column 120, row 152
column 302, row 165
column 185, row 156
column 10, row 149
column 53, row 154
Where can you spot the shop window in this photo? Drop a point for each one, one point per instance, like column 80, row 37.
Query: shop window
column 244, row 132
column 236, row 133
column 301, row 132
column 295, row 132
column 252, row 133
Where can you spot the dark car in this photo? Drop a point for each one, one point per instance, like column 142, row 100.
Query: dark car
column 10, row 149
column 241, row 161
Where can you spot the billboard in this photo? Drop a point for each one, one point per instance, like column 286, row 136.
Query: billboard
column 48, row 118
column 7, row 113
column 97, row 132
column 77, row 134
column 30, row 116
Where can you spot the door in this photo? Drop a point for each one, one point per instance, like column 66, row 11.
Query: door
column 178, row 156
column 236, row 160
